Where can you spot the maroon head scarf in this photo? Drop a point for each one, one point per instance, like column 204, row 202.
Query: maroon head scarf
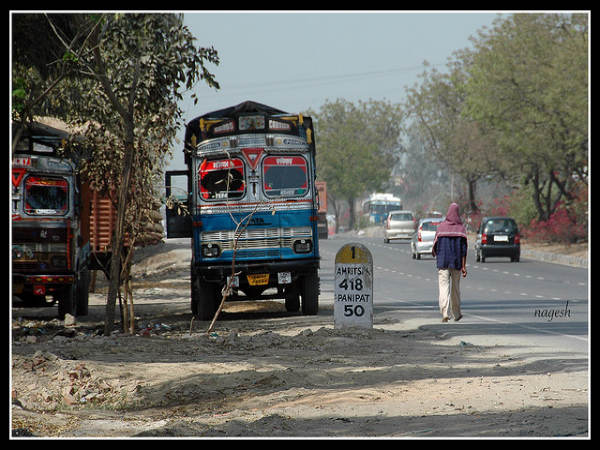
column 452, row 226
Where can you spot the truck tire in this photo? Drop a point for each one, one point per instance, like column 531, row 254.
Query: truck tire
column 204, row 299
column 292, row 302
column 83, row 291
column 66, row 301
column 309, row 291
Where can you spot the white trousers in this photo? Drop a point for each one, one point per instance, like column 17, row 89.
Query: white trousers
column 449, row 291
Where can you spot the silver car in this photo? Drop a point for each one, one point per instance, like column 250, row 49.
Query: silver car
column 399, row 225
column 422, row 240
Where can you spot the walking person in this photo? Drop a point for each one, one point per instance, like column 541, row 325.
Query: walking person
column 450, row 250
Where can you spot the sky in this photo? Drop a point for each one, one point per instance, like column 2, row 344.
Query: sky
column 299, row 60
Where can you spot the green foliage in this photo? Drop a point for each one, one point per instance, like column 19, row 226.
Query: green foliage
column 513, row 107
column 19, row 94
column 529, row 82
column 463, row 145
column 126, row 73
column 423, row 176
column 357, row 146
column 522, row 206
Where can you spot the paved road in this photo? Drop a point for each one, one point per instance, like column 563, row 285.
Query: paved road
column 529, row 304
column 503, row 303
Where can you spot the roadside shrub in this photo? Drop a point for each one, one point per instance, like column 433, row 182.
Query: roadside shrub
column 560, row 227
column 569, row 222
column 501, row 206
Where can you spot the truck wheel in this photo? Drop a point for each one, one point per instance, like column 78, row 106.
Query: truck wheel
column 83, row 291
column 35, row 300
column 292, row 302
column 66, row 302
column 204, row 299
column 310, row 294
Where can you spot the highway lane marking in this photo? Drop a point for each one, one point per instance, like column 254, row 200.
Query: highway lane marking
column 556, row 333
column 419, row 277
column 474, row 266
column 489, row 319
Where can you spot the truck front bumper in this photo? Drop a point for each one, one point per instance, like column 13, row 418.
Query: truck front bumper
column 40, row 284
column 218, row 273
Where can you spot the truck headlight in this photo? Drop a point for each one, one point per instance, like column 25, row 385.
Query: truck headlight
column 210, row 250
column 303, row 246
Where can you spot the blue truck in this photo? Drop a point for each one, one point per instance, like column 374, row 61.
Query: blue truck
column 250, row 208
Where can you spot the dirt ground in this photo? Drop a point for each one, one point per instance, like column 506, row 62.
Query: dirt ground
column 263, row 372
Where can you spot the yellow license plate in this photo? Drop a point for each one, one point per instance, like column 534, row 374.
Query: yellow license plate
column 258, row 279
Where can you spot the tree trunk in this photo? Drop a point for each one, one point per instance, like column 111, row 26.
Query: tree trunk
column 118, row 235
column 352, row 213
column 472, row 200
column 538, row 187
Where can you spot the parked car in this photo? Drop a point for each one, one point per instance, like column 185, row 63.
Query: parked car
column 498, row 236
column 422, row 240
column 399, row 225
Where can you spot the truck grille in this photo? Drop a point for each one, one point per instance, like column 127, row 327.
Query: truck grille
column 39, row 256
column 257, row 238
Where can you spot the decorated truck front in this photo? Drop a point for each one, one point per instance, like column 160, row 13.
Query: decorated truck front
column 251, row 208
column 61, row 228
column 48, row 259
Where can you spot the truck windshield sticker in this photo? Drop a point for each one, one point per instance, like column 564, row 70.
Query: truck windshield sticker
column 285, row 176
column 278, row 125
column 221, row 179
column 224, row 127
column 46, row 195
column 252, row 123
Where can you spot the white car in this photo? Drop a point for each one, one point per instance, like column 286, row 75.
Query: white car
column 399, row 225
column 422, row 241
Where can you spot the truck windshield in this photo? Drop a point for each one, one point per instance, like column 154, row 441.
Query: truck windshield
column 285, row 176
column 46, row 195
column 222, row 179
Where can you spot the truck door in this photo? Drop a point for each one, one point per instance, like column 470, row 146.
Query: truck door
column 179, row 219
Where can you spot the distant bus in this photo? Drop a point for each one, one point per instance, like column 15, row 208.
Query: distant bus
column 378, row 205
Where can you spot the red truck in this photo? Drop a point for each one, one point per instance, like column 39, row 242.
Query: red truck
column 322, row 211
column 61, row 229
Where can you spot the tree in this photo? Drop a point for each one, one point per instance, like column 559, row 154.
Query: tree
column 423, row 177
column 529, row 82
column 454, row 138
column 358, row 145
column 132, row 70
column 39, row 64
